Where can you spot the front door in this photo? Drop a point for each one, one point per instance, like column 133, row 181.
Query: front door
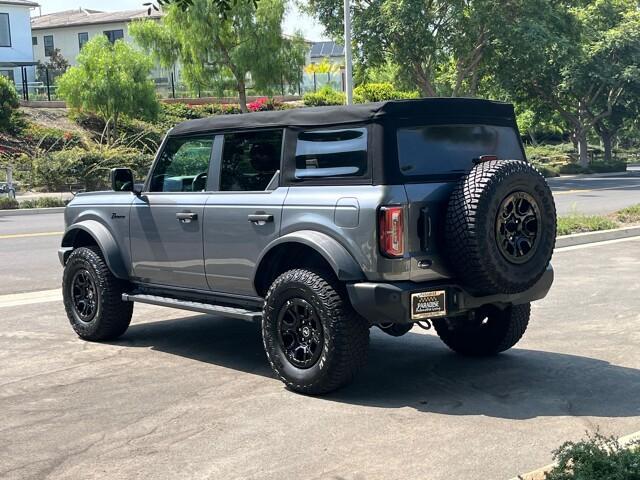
column 167, row 219
column 244, row 215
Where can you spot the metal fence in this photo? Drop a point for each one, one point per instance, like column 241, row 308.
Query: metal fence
column 45, row 89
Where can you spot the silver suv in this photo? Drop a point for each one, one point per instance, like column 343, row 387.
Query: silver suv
column 320, row 223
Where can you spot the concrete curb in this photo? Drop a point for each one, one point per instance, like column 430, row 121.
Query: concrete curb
column 541, row 473
column 30, row 211
column 592, row 237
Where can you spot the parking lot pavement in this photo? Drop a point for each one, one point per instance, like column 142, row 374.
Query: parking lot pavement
column 191, row 396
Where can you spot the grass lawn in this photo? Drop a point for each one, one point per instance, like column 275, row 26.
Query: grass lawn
column 578, row 223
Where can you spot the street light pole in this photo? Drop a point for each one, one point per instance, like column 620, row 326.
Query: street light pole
column 348, row 69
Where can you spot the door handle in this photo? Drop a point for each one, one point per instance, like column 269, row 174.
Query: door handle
column 186, row 217
column 260, row 217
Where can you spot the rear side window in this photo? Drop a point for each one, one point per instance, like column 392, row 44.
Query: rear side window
column 331, row 153
column 447, row 149
column 250, row 160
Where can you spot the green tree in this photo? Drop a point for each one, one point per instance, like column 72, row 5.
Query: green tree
column 110, row 80
column 56, row 65
column 576, row 58
column 440, row 46
column 223, row 5
column 9, row 102
column 221, row 51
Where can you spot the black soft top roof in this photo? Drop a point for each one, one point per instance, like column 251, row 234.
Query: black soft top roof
column 439, row 109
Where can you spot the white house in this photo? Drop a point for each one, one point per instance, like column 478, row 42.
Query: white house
column 69, row 30
column 16, row 54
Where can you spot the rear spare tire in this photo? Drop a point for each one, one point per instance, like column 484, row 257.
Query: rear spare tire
column 500, row 228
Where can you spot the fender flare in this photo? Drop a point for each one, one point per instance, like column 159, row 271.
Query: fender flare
column 105, row 241
column 342, row 263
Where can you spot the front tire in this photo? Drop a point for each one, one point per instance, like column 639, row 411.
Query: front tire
column 314, row 340
column 93, row 297
column 489, row 331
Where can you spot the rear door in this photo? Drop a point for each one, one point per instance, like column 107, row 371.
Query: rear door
column 166, row 220
column 243, row 216
column 431, row 160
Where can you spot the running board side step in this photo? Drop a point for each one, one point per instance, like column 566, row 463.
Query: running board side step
column 231, row 312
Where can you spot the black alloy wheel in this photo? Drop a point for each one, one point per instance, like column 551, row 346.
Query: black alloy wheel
column 84, row 296
column 300, row 332
column 517, row 225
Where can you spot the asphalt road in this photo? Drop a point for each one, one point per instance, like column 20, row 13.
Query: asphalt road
column 594, row 194
column 28, row 252
column 191, row 396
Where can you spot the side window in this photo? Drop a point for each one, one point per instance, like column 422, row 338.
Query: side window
column 249, row 160
column 183, row 165
column 331, row 153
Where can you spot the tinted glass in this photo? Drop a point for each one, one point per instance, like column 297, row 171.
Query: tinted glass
column 331, row 153
column 183, row 166
column 114, row 35
column 5, row 30
column 445, row 149
column 249, row 160
column 83, row 38
column 48, row 45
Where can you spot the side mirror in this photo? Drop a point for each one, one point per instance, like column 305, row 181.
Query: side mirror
column 122, row 180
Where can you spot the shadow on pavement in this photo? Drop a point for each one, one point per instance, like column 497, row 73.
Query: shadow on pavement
column 418, row 371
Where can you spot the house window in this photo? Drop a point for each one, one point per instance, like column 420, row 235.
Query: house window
column 8, row 74
column 34, row 40
column 114, row 35
column 83, row 37
column 5, row 30
column 48, row 45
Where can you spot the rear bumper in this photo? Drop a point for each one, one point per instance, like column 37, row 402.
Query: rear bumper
column 391, row 302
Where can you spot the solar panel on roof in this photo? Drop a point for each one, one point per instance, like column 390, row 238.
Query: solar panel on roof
column 327, row 47
column 316, row 49
column 338, row 50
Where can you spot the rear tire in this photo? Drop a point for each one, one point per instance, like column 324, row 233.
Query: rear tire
column 314, row 340
column 491, row 331
column 93, row 297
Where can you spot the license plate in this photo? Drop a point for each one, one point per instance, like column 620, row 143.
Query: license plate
column 428, row 304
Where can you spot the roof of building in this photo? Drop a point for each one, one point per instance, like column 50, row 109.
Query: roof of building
column 326, row 49
column 83, row 16
column 24, row 3
column 451, row 110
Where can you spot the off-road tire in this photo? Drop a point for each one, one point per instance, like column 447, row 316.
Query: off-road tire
column 503, row 329
column 346, row 334
column 396, row 329
column 472, row 246
column 112, row 316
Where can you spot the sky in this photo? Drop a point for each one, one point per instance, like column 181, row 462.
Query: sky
column 310, row 28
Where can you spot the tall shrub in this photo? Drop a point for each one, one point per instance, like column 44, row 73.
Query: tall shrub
column 9, row 102
column 111, row 81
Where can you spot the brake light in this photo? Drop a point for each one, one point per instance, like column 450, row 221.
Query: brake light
column 391, row 231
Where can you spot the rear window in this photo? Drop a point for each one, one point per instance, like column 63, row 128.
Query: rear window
column 446, row 149
column 331, row 153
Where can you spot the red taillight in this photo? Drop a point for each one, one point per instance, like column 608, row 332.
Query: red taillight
column 391, row 231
